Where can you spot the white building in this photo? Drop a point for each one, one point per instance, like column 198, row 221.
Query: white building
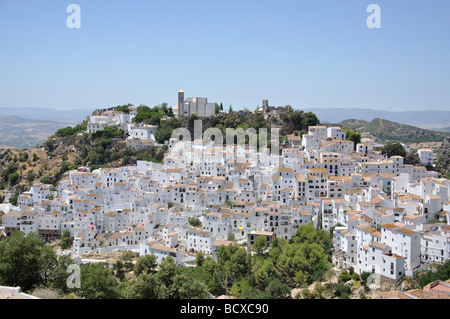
column 426, row 156
column 195, row 105
column 199, row 240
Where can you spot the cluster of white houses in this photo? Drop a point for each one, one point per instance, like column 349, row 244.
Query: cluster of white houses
column 380, row 208
column 141, row 136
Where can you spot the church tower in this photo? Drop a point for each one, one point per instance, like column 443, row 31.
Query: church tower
column 265, row 106
column 180, row 102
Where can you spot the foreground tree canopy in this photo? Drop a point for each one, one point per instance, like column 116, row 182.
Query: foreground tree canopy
column 270, row 272
column 27, row 262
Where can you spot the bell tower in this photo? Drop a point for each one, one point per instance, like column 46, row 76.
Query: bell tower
column 265, row 106
column 180, row 102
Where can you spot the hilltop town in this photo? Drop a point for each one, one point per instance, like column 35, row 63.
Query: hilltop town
column 387, row 218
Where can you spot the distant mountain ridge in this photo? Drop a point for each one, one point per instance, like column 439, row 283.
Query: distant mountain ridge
column 384, row 131
column 26, row 127
column 37, row 113
column 429, row 119
column 16, row 131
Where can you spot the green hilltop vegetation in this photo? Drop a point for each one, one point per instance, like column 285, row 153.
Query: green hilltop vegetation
column 385, row 131
column 107, row 147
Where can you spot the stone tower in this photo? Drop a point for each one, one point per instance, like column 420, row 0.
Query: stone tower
column 180, row 102
column 265, row 106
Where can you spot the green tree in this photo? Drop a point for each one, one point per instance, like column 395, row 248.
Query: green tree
column 186, row 287
column 319, row 290
column 341, row 290
column 263, row 269
column 49, row 145
column 353, row 136
column 147, row 286
column 276, row 289
column 145, row 264
column 364, row 276
column 78, row 161
column 119, row 269
column 260, row 244
column 13, row 178
column 30, row 176
column 10, row 168
column 97, row 282
column 59, row 275
column 308, row 234
column 66, row 240
column 167, row 271
column 48, row 261
column 200, row 258
column 210, row 265
column 306, row 258
column 13, row 199
column 311, row 119
column 47, row 179
column 195, row 222
column 25, row 261
column 123, row 108
column 442, row 272
column 152, row 115
column 127, row 258
column 393, row 149
column 239, row 264
column 290, row 108
column 64, row 167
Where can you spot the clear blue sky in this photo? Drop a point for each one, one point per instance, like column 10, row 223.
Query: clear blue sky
column 314, row 53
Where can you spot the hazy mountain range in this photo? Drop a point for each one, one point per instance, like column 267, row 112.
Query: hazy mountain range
column 429, row 119
column 27, row 127
column 16, row 131
column 34, row 113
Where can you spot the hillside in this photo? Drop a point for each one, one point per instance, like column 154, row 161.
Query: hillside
column 384, row 131
column 296, row 121
column 70, row 147
column 19, row 168
column 443, row 158
column 429, row 119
